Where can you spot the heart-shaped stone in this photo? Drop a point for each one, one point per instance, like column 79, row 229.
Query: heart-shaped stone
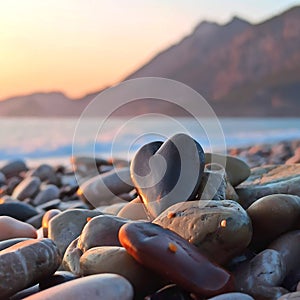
column 167, row 173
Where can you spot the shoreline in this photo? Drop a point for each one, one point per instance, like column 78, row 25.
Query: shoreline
column 254, row 155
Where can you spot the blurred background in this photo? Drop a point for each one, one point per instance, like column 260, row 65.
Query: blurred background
column 56, row 56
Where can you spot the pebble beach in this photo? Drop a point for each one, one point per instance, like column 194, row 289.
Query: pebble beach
column 211, row 226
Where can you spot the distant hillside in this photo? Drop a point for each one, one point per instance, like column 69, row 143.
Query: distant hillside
column 240, row 68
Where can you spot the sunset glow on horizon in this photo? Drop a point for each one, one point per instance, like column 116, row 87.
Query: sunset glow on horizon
column 78, row 47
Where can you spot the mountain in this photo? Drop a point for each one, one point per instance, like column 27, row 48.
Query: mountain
column 241, row 69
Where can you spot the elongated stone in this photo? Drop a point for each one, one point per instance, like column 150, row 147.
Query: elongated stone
column 268, row 180
column 28, row 188
column 12, row 228
column 94, row 287
column 25, row 264
column 18, row 210
column 102, row 189
column 168, row 254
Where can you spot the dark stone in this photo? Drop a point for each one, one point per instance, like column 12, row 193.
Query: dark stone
column 167, row 173
column 14, row 168
column 18, row 210
column 57, row 278
column 47, row 193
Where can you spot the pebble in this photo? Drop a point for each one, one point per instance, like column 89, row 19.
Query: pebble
column 12, row 183
column 28, row 188
column 12, row 228
column 290, row 296
column 25, row 264
column 288, row 245
column 167, row 173
column 99, row 231
column 168, row 254
column 237, row 170
column 220, row 229
column 53, row 204
column 67, row 226
column 134, row 210
column 46, row 219
column 262, row 276
column 13, row 168
column 273, row 215
column 10, row 242
column 232, row 296
column 116, row 260
column 267, row 180
column 18, row 210
column 102, row 189
column 71, row 259
column 45, row 173
column 94, row 287
column 47, row 193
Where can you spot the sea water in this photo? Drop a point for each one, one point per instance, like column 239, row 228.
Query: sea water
column 57, row 139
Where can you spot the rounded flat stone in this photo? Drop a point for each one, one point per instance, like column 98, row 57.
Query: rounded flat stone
column 272, row 216
column 168, row 254
column 45, row 173
column 220, row 229
column 288, row 245
column 13, row 168
column 101, row 231
column 17, row 210
column 47, row 193
column 134, row 210
column 290, row 296
column 67, row 226
column 27, row 188
column 262, row 276
column 102, row 189
column 237, row 170
column 12, row 228
column 25, row 264
column 116, row 260
column 94, row 287
column 232, row 296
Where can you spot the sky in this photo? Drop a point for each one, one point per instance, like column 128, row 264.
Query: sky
column 82, row 46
